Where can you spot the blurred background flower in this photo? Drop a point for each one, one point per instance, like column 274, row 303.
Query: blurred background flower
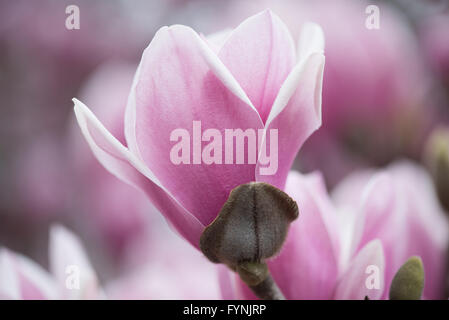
column 384, row 91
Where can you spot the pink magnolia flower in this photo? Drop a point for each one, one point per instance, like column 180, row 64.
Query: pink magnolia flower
column 234, row 84
column 376, row 219
column 398, row 206
column 21, row 278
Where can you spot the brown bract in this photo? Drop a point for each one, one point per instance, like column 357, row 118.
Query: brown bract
column 251, row 226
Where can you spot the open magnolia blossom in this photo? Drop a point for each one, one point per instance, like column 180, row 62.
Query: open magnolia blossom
column 351, row 246
column 71, row 277
column 251, row 78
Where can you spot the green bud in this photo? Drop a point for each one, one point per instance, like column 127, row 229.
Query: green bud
column 437, row 159
column 251, row 227
column 408, row 283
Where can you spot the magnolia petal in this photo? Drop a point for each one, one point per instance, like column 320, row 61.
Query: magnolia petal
column 36, row 283
column 181, row 80
column 130, row 117
column 218, row 39
column 120, row 162
column 377, row 206
column 296, row 114
column 310, row 41
column 70, row 265
column 260, row 54
column 307, row 266
column 227, row 280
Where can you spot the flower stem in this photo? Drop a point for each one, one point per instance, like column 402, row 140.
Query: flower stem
column 268, row 290
column 257, row 277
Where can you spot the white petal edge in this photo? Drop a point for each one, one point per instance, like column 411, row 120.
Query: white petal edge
column 66, row 250
column 9, row 279
column 311, row 40
column 82, row 112
column 288, row 89
column 217, row 39
column 130, row 117
column 291, row 84
column 375, row 181
column 40, row 278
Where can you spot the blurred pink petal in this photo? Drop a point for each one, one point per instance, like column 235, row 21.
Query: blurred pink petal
column 9, row 280
column 21, row 278
column 399, row 207
column 164, row 266
column 67, row 256
column 352, row 285
column 228, row 283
